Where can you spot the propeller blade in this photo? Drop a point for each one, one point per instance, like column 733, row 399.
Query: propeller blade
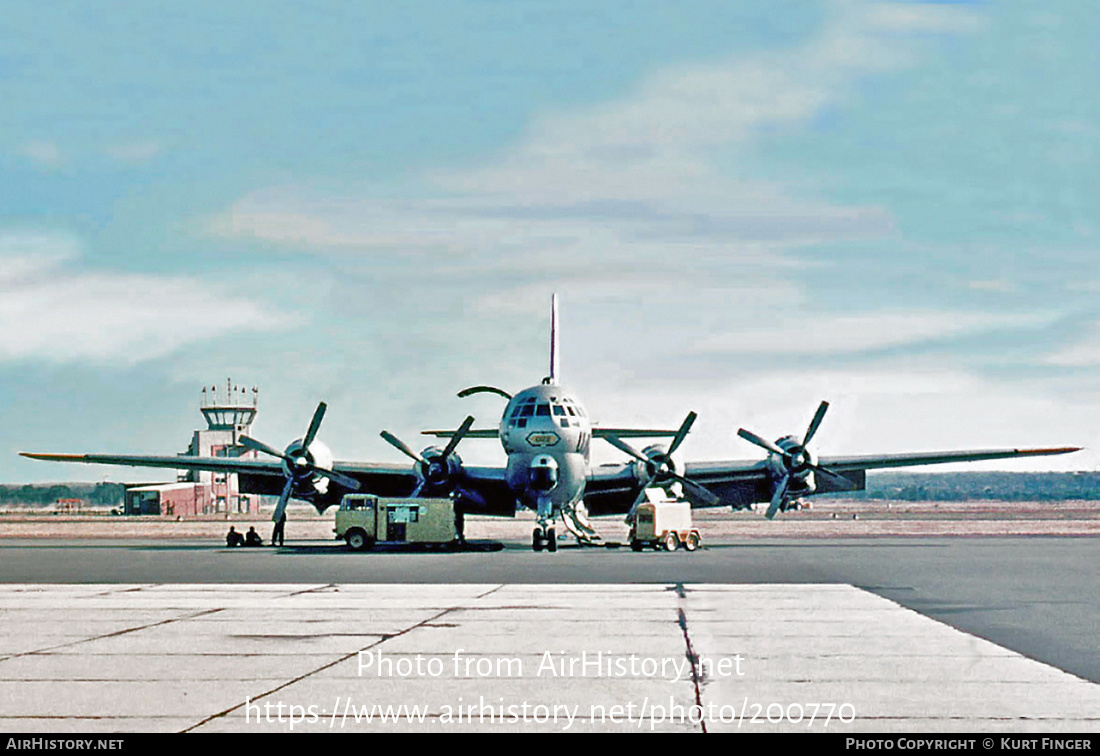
column 815, row 423
column 462, row 431
column 847, row 482
column 625, row 448
column 314, row 425
column 252, row 443
column 641, row 497
column 398, row 444
column 338, row 478
column 280, row 509
column 762, row 443
column 778, row 496
column 698, row 492
column 682, row 433
column 473, row 496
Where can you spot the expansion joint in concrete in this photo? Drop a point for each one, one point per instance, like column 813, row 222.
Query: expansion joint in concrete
column 693, row 658
column 322, row 668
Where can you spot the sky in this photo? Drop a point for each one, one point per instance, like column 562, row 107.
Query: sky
column 745, row 208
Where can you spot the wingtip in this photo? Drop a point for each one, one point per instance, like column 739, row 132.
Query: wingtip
column 1052, row 450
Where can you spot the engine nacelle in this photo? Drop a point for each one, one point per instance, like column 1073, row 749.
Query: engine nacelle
column 797, row 463
column 660, row 468
column 298, row 462
column 542, row 474
column 438, row 470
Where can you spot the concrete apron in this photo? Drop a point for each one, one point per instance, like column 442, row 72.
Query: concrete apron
column 306, row 658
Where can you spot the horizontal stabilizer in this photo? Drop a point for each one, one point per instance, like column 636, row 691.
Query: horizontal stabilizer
column 596, row 433
column 472, row 433
column 633, row 433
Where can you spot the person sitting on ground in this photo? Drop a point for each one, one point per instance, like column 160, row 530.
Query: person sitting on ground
column 233, row 538
column 252, row 538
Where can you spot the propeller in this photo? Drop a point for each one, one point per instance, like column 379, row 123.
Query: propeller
column 435, row 468
column 300, row 462
column 796, row 459
column 660, row 467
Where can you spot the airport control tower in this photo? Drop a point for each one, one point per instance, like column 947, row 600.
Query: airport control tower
column 229, row 414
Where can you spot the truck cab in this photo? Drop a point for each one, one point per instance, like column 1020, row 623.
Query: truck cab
column 364, row 520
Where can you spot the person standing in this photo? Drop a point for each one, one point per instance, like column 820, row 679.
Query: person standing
column 277, row 531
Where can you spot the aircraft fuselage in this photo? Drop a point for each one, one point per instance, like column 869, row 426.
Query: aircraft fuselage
column 546, row 434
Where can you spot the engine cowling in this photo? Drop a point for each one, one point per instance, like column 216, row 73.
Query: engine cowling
column 660, row 468
column 438, row 470
column 798, row 463
column 301, row 462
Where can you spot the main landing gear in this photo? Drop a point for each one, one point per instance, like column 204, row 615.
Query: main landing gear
column 544, row 539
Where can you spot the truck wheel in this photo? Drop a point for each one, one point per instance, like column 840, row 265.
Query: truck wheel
column 536, row 539
column 672, row 541
column 636, row 545
column 357, row 540
column 692, row 542
column 551, row 540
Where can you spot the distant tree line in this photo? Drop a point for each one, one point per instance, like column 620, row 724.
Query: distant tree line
column 93, row 494
column 978, row 486
column 887, row 485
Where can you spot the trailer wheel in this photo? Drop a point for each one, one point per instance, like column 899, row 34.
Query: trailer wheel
column 672, row 541
column 357, row 540
column 692, row 542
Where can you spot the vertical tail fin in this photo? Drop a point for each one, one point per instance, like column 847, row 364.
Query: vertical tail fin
column 555, row 367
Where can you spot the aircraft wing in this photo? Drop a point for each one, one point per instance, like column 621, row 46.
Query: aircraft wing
column 257, row 476
column 216, row 464
column 874, row 462
column 484, row 489
column 612, row 489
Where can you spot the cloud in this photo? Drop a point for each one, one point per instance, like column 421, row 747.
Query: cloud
column 995, row 285
column 54, row 311
column 45, row 154
column 648, row 167
column 134, row 152
column 1084, row 352
column 889, row 410
column 811, row 334
column 924, row 18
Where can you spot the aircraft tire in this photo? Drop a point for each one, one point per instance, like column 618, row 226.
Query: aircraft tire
column 551, row 540
column 537, row 539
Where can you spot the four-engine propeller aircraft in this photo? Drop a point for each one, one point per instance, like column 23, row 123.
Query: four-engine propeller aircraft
column 546, row 434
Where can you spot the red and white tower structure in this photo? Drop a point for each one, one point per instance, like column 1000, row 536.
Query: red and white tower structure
column 229, row 415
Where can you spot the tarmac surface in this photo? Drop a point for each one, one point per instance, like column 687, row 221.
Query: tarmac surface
column 506, row 657
column 916, row 634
